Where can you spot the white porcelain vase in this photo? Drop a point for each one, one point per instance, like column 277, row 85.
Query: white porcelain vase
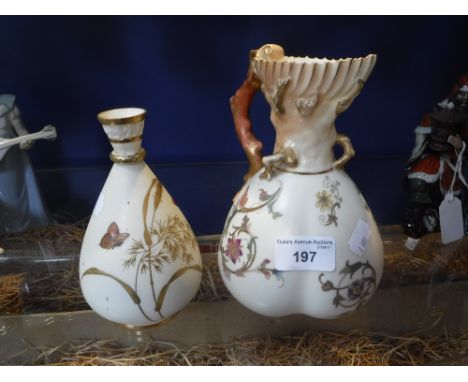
column 300, row 237
column 140, row 262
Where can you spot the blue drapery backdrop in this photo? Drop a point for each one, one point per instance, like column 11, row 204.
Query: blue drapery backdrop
column 183, row 69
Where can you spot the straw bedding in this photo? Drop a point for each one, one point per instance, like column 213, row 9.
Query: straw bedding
column 355, row 348
column 58, row 290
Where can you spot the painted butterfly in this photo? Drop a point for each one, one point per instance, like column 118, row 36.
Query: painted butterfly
column 113, row 238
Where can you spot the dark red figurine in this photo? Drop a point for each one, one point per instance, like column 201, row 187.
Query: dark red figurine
column 432, row 168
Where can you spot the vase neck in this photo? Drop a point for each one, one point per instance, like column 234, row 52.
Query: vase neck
column 312, row 142
column 124, row 128
column 306, row 95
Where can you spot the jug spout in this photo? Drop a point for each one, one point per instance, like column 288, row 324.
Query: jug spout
column 306, row 95
column 304, row 85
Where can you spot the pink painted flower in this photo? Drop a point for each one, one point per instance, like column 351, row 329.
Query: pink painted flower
column 233, row 250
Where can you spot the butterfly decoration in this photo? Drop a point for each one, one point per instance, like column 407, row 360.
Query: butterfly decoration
column 113, row 238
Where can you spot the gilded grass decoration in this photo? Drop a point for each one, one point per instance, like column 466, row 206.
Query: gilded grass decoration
column 164, row 242
column 133, row 295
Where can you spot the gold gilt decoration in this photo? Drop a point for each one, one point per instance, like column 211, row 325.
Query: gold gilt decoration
column 305, row 106
column 286, row 156
column 327, row 201
column 276, row 94
column 102, row 117
column 356, row 285
column 164, row 242
column 127, row 140
column 348, row 150
column 119, row 158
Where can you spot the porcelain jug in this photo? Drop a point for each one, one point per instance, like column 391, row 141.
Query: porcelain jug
column 300, row 237
column 140, row 262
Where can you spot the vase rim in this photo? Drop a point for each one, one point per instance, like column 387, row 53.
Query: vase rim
column 122, row 116
column 312, row 60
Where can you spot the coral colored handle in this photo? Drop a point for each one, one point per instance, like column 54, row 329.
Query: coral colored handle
column 240, row 107
column 348, row 149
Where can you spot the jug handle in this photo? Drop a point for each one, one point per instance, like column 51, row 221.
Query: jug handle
column 348, row 150
column 240, row 107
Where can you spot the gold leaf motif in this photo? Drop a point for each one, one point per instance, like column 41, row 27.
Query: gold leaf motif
column 276, row 94
column 158, row 195
column 147, row 237
column 146, row 234
column 175, row 276
column 305, row 106
column 95, row 271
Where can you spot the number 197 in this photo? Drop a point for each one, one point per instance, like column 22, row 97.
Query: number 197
column 304, row 256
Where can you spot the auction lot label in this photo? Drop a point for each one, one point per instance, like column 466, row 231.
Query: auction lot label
column 305, row 253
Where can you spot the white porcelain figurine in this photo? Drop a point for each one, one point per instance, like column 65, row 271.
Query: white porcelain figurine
column 22, row 207
column 300, row 237
column 140, row 262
